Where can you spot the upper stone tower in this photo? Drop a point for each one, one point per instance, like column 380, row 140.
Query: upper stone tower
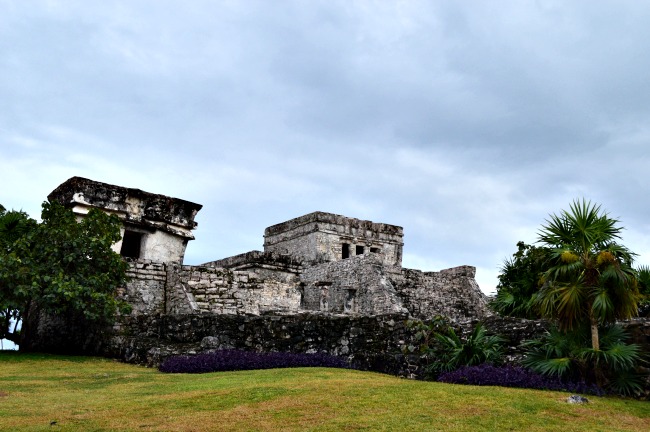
column 155, row 227
column 325, row 237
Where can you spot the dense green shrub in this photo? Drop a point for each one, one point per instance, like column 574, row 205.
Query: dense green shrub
column 568, row 355
column 441, row 349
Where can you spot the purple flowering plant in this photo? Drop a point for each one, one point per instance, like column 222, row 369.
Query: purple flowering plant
column 514, row 376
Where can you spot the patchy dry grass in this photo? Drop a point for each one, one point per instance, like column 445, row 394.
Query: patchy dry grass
column 91, row 394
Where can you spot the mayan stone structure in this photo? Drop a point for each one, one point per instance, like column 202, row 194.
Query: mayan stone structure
column 156, row 227
column 319, row 262
column 324, row 237
column 323, row 283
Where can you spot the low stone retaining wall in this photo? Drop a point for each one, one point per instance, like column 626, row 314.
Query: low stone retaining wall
column 370, row 343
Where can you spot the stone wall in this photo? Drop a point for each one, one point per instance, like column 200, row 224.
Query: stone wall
column 258, row 259
column 145, row 291
column 453, row 293
column 371, row 343
column 262, row 282
column 358, row 285
column 159, row 288
column 639, row 331
column 155, row 245
column 231, row 292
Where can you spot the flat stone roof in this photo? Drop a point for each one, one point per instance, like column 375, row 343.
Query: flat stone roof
column 335, row 219
column 151, row 207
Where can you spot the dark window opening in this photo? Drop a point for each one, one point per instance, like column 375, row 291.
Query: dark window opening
column 345, row 251
column 324, row 299
column 359, row 250
column 374, row 250
column 350, row 297
column 301, row 290
column 131, row 244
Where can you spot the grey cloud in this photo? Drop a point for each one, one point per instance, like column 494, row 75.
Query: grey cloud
column 466, row 124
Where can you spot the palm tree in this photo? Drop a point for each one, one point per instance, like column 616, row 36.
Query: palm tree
column 590, row 279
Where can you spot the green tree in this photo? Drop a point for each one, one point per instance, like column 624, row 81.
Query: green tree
column 519, row 282
column 13, row 226
column 61, row 267
column 590, row 279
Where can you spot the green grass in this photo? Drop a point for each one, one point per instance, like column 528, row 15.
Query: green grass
column 93, row 394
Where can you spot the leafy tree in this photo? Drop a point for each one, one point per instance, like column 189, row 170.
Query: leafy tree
column 590, row 279
column 13, row 226
column 519, row 282
column 61, row 267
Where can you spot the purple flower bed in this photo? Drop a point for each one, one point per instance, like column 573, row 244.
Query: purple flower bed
column 231, row 360
column 509, row 376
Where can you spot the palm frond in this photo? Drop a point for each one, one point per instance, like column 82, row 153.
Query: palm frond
column 622, row 356
column 626, row 300
column 556, row 232
column 643, row 277
column 626, row 383
column 565, row 271
column 583, row 226
column 624, row 255
column 570, row 300
column 612, row 334
column 559, row 366
column 602, row 306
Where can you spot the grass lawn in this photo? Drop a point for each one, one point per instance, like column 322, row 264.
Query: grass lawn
column 93, row 394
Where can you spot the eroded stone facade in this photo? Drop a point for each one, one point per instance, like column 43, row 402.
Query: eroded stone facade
column 325, row 237
column 319, row 262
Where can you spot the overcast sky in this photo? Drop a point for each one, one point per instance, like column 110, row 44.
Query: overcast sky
column 466, row 123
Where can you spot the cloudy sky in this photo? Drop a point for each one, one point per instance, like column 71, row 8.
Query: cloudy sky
column 466, row 123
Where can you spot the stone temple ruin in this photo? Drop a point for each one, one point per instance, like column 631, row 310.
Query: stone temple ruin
column 318, row 262
column 324, row 283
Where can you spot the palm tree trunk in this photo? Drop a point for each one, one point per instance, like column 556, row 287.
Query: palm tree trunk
column 595, row 342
